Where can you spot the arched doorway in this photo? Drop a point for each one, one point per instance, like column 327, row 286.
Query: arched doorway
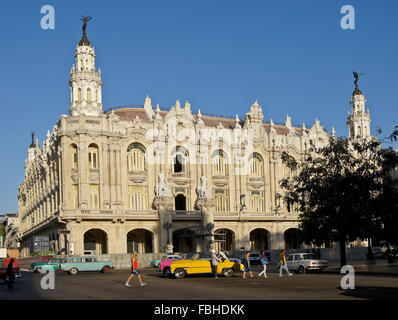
column 184, row 240
column 293, row 238
column 180, row 202
column 140, row 240
column 95, row 242
column 224, row 240
column 259, row 239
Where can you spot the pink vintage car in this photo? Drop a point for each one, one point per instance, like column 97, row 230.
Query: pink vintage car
column 165, row 264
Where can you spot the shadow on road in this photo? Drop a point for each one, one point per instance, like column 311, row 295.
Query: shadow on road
column 372, row 293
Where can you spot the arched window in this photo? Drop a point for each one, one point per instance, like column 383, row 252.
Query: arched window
column 180, row 160
column 76, row 196
column 136, row 157
column 93, row 156
column 88, row 94
column 79, row 94
column 256, row 166
column 256, row 203
column 221, row 198
column 219, row 163
column 94, row 196
column 74, row 156
column 138, row 198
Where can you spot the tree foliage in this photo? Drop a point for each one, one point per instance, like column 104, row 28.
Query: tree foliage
column 344, row 191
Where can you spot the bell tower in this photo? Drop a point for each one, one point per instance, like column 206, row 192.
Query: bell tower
column 358, row 121
column 85, row 82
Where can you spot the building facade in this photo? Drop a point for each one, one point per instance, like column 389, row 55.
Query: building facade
column 11, row 226
column 151, row 180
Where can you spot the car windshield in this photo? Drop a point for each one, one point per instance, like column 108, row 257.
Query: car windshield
column 309, row 257
column 255, row 255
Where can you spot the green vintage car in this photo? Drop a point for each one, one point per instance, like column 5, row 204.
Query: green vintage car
column 76, row 264
column 49, row 264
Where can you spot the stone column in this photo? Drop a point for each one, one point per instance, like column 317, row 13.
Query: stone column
column 206, row 205
column 164, row 206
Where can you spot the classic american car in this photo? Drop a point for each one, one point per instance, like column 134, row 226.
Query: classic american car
column 15, row 270
column 179, row 269
column 302, row 262
column 155, row 263
column 76, row 264
column 49, row 264
column 164, row 265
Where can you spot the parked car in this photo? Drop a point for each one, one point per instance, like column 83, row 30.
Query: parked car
column 254, row 258
column 302, row 262
column 179, row 269
column 76, row 264
column 164, row 265
column 155, row 263
column 4, row 276
column 50, row 264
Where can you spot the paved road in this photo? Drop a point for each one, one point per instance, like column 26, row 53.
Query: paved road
column 111, row 286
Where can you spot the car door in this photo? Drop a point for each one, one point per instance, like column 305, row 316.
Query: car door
column 290, row 262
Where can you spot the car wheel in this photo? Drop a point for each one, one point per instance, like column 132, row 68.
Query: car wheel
column 179, row 273
column 38, row 270
column 227, row 272
column 106, row 269
column 73, row 271
column 301, row 270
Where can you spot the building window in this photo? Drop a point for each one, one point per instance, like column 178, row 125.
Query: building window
column 93, row 156
column 256, row 166
column 136, row 157
column 180, row 157
column 74, row 156
column 138, row 198
column 221, row 200
column 219, row 163
column 79, row 94
column 88, row 94
column 94, row 196
column 76, row 196
column 256, row 203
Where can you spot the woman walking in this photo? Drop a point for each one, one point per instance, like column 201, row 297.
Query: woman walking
column 246, row 263
column 264, row 262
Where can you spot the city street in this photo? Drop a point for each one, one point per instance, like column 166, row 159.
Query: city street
column 111, row 286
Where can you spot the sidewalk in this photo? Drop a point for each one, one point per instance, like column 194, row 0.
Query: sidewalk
column 379, row 267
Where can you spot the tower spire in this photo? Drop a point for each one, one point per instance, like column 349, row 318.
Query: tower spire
column 85, row 81
column 358, row 121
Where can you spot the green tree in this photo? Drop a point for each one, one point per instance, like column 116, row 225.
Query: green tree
column 339, row 190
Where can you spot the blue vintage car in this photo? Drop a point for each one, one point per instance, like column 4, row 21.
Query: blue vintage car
column 76, row 264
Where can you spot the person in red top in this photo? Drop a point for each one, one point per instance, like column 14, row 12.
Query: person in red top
column 135, row 271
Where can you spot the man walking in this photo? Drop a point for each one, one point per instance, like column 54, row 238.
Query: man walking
column 214, row 263
column 135, row 271
column 246, row 263
column 10, row 273
column 283, row 264
column 264, row 262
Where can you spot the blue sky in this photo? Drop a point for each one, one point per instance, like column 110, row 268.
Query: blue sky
column 221, row 55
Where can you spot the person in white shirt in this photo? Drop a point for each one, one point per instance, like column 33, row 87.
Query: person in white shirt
column 214, row 263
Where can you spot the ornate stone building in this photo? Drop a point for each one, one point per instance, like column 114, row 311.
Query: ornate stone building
column 151, row 180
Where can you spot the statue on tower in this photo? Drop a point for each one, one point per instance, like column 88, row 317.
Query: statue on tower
column 356, row 76
column 85, row 20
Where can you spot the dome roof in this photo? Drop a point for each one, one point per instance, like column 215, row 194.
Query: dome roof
column 84, row 42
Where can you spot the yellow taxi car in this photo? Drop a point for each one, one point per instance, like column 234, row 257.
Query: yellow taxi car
column 179, row 269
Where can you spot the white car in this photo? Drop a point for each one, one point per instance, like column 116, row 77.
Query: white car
column 302, row 262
